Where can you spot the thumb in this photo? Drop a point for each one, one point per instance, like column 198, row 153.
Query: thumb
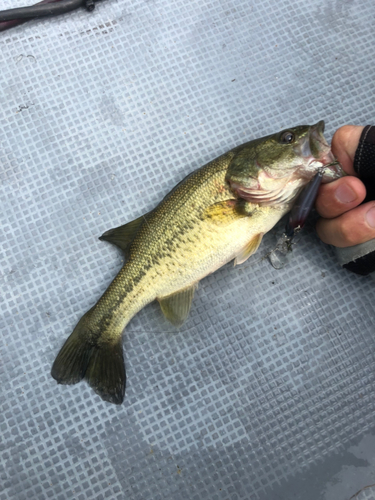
column 344, row 145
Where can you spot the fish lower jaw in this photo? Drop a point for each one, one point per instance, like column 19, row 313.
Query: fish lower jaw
column 328, row 165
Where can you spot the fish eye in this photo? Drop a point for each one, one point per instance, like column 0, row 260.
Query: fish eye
column 287, row 137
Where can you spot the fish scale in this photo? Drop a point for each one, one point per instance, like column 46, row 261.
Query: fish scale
column 216, row 214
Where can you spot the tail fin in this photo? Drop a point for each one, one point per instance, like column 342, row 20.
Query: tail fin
column 99, row 362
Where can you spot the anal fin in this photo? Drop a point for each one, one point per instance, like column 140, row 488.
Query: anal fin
column 251, row 247
column 176, row 307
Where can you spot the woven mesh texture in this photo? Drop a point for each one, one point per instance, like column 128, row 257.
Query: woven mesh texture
column 267, row 391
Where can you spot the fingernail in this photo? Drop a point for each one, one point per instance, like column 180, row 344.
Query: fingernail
column 345, row 194
column 370, row 217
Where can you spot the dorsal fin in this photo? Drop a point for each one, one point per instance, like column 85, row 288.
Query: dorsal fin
column 122, row 236
column 176, row 307
column 249, row 249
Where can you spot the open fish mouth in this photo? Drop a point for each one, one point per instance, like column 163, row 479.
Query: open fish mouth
column 314, row 148
column 316, row 138
column 321, row 157
column 276, row 186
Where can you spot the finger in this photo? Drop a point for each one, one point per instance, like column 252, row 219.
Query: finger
column 339, row 196
column 351, row 228
column 344, row 145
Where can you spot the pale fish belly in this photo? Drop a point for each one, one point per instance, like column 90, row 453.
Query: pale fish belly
column 219, row 246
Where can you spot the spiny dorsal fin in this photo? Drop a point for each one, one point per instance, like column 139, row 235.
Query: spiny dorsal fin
column 176, row 307
column 122, row 236
column 249, row 249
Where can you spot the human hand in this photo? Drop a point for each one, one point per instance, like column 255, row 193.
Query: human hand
column 344, row 221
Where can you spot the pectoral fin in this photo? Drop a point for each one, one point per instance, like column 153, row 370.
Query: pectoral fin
column 249, row 249
column 227, row 211
column 223, row 212
column 122, row 236
column 176, row 307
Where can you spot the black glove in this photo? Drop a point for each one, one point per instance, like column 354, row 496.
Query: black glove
column 360, row 259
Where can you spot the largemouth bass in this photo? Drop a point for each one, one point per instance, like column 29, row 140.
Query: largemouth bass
column 216, row 214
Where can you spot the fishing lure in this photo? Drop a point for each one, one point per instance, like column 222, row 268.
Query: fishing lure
column 297, row 219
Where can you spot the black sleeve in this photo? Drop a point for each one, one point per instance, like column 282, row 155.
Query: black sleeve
column 364, row 160
column 360, row 259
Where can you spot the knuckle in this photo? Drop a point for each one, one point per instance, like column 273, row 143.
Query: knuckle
column 348, row 232
column 321, row 230
column 343, row 134
column 323, row 202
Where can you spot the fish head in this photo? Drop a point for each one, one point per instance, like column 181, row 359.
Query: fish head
column 273, row 170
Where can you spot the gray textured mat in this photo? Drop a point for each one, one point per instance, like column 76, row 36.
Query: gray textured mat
column 267, row 392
